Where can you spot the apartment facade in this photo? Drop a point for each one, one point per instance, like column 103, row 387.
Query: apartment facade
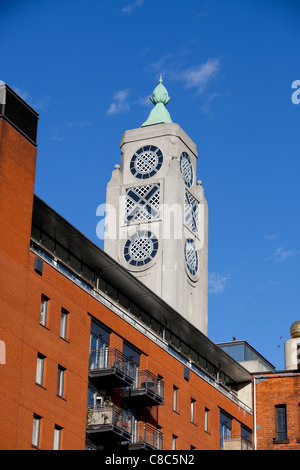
column 91, row 358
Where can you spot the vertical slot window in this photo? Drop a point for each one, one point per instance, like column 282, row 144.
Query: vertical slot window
column 175, row 398
column 64, row 323
column 206, row 420
column 57, row 437
column 36, row 427
column 193, row 405
column 44, row 310
column 60, row 381
column 40, row 364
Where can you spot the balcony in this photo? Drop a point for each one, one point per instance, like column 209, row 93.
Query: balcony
column 109, row 423
column 147, row 389
column 235, row 443
column 113, row 366
column 146, row 437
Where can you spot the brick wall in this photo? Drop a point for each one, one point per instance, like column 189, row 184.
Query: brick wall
column 269, row 392
column 17, row 171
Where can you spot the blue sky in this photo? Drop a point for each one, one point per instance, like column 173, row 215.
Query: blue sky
column 89, row 67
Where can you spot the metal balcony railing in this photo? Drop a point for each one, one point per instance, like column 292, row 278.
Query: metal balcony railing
column 147, row 388
column 112, row 361
column 146, row 380
column 235, row 443
column 147, row 437
column 110, row 418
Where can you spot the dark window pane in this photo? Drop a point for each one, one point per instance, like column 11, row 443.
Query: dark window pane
column 281, row 424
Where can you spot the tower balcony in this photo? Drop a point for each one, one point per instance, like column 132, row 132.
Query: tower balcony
column 146, row 437
column 109, row 423
column 147, row 389
column 112, row 366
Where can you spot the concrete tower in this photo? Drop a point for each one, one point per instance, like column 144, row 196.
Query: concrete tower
column 157, row 217
column 292, row 348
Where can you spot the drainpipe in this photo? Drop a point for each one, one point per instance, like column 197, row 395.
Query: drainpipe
column 254, row 406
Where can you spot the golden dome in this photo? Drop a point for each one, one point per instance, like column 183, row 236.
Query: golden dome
column 295, row 329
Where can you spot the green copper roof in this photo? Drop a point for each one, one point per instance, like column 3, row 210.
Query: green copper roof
column 160, row 98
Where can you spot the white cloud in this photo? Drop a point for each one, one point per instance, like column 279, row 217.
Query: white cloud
column 217, row 283
column 61, row 128
column 280, row 254
column 199, row 76
column 145, row 101
column 38, row 104
column 273, row 236
column 132, row 6
column 119, row 103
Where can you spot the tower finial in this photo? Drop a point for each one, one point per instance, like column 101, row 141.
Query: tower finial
column 160, row 98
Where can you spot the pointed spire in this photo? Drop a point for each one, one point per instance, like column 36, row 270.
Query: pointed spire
column 160, row 98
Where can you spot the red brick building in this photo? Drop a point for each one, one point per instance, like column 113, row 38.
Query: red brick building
column 277, row 411
column 90, row 357
column 276, row 401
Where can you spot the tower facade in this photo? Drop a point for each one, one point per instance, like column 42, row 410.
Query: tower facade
column 156, row 213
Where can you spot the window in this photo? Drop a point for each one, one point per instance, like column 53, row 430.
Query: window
column 100, row 337
column 131, row 353
column 99, row 341
column 36, row 430
column 63, row 323
column 39, row 378
column 43, row 310
column 225, row 427
column 57, row 437
column 246, row 434
column 134, row 356
column 174, row 442
column 281, row 423
column 193, row 410
column 191, row 212
column 206, row 420
column 142, row 203
column 175, row 398
column 60, row 381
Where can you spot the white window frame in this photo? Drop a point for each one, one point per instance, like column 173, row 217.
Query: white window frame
column 175, row 398
column 40, row 363
column 43, row 310
column 63, row 323
column 60, row 381
column 193, row 402
column 206, row 420
column 57, row 437
column 36, row 427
